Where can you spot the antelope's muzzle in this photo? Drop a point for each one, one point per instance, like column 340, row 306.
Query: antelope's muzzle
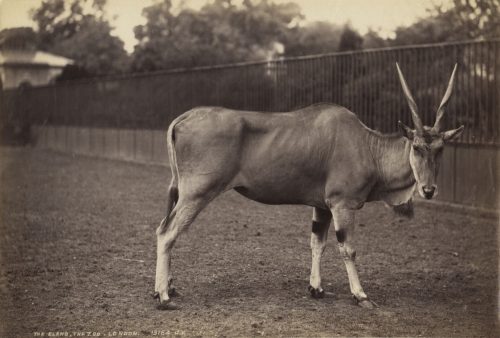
column 428, row 191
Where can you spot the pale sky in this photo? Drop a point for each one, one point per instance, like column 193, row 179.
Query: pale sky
column 383, row 16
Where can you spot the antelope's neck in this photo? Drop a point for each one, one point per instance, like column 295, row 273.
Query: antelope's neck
column 391, row 155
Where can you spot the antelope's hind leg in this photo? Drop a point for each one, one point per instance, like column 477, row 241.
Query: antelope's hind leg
column 167, row 233
column 320, row 224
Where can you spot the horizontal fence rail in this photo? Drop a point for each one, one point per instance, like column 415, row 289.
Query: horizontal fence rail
column 364, row 81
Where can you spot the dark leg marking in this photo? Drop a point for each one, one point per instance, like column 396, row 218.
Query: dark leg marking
column 318, row 227
column 340, row 235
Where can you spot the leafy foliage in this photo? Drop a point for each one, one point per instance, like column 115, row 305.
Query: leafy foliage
column 314, row 38
column 467, row 19
column 225, row 32
column 350, row 39
column 20, row 38
column 373, row 40
column 472, row 19
column 220, row 32
column 78, row 29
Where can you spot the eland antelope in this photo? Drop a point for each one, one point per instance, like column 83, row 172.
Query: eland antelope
column 322, row 156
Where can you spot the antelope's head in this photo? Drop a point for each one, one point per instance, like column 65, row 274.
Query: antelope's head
column 427, row 143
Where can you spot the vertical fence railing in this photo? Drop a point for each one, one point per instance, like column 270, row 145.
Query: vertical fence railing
column 363, row 81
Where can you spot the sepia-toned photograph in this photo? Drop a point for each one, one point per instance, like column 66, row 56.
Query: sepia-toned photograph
column 247, row 168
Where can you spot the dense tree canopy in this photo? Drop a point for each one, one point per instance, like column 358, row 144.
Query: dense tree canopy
column 373, row 40
column 219, row 32
column 471, row 19
column 226, row 31
column 314, row 38
column 78, row 29
column 23, row 38
column 350, row 39
column 465, row 20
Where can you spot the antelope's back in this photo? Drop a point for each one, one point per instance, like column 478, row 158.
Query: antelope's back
column 307, row 135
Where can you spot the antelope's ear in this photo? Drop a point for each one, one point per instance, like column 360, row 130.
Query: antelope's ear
column 406, row 131
column 451, row 134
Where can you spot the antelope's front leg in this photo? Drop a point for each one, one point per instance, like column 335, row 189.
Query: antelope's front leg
column 320, row 225
column 343, row 220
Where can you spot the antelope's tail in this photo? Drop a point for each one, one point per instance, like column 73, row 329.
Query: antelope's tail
column 173, row 189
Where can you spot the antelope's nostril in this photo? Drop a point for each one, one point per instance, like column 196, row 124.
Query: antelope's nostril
column 428, row 192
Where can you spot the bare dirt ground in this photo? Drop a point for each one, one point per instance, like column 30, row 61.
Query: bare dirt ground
column 77, row 243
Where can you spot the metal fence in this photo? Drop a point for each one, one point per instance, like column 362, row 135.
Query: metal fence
column 363, row 81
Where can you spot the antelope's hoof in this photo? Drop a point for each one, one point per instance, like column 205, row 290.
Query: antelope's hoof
column 167, row 305
column 316, row 293
column 365, row 303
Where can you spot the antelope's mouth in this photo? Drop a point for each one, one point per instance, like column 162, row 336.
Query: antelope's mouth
column 428, row 192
